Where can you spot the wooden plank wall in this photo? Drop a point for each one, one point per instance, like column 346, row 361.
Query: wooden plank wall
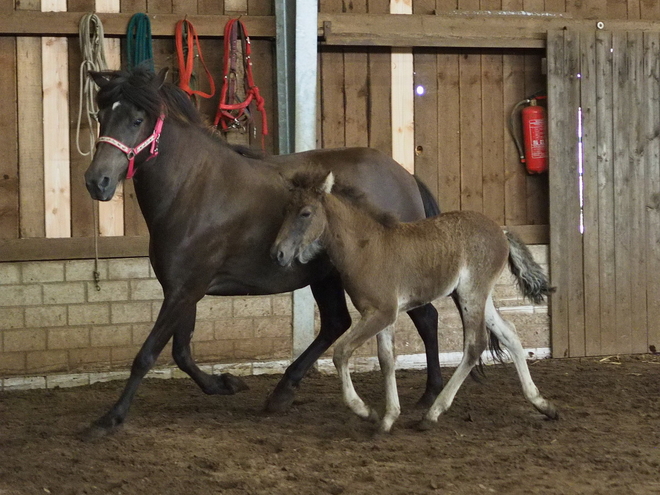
column 607, row 288
column 26, row 145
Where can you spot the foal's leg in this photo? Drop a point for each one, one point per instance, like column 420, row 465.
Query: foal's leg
column 475, row 341
column 225, row 384
column 387, row 362
column 425, row 319
column 335, row 320
column 174, row 312
column 369, row 325
column 506, row 333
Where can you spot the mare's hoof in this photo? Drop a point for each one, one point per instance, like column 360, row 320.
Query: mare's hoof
column 427, row 399
column 233, row 384
column 100, row 428
column 425, row 425
column 280, row 400
column 373, row 416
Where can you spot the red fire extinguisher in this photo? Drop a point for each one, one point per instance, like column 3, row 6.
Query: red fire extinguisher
column 534, row 155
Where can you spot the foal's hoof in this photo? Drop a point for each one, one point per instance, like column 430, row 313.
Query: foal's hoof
column 280, row 400
column 550, row 411
column 425, row 424
column 233, row 384
column 372, row 417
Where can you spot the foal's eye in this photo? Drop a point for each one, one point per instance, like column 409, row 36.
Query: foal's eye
column 305, row 214
column 138, row 122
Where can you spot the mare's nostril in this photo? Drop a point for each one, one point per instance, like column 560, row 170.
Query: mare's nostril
column 104, row 183
column 280, row 256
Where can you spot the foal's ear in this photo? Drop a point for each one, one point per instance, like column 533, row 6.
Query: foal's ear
column 100, row 78
column 161, row 76
column 329, row 181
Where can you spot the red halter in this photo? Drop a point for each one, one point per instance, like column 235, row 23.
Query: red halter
column 131, row 153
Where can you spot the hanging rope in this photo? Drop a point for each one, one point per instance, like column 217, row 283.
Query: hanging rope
column 90, row 32
column 139, row 48
column 185, row 31
column 233, row 113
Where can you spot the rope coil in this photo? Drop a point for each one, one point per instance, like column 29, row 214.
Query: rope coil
column 139, row 47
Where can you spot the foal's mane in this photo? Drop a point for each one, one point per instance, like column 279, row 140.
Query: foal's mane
column 313, row 179
column 140, row 87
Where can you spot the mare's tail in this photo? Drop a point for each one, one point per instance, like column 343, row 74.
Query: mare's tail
column 431, row 207
column 531, row 280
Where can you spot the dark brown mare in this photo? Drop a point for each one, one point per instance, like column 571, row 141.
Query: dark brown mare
column 388, row 266
column 213, row 212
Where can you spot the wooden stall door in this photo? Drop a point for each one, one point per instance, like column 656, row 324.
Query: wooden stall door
column 604, row 134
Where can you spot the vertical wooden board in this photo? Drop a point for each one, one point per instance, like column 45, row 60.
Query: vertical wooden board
column 28, row 5
column 426, row 118
column 557, row 90
column 356, row 93
column 622, row 199
column 133, row 6
column 111, row 213
column 617, row 9
column 634, row 12
column 383, row 6
column 446, row 5
column 449, row 151
column 494, row 132
column 512, row 5
column 263, row 58
column 536, row 187
column 574, row 254
column 56, row 130
column 490, row 5
column 649, row 10
column 652, row 193
column 590, row 180
column 420, row 7
column 9, row 188
column 587, row 9
column 236, row 7
column 184, row 7
column 82, row 215
column 259, row 7
column 556, row 5
column 30, row 137
column 606, row 234
column 379, row 107
column 81, row 6
column 210, row 7
column 159, row 6
column 332, row 97
column 637, row 218
column 472, row 5
column 403, row 108
column 470, row 135
column 515, row 185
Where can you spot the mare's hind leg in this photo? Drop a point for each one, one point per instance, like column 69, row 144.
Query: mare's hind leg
column 425, row 319
column 475, row 341
column 506, row 333
column 174, row 312
column 369, row 325
column 335, row 320
column 225, row 384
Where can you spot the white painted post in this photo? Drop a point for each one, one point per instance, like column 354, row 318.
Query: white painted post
column 306, row 54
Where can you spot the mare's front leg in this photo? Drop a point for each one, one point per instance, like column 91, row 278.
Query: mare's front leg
column 371, row 323
column 335, row 320
column 224, row 384
column 175, row 311
column 425, row 319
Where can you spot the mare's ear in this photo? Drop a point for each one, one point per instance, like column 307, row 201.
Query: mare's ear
column 329, row 181
column 161, row 76
column 100, row 78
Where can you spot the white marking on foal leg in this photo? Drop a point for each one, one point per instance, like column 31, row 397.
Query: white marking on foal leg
column 505, row 331
column 115, row 104
column 387, row 362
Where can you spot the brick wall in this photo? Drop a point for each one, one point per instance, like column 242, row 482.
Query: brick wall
column 54, row 321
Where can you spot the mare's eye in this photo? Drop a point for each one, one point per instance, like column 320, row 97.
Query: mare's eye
column 305, row 213
column 138, row 122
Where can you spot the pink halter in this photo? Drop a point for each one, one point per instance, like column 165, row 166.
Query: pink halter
column 131, row 153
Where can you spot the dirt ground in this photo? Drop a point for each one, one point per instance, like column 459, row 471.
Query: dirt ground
column 179, row 441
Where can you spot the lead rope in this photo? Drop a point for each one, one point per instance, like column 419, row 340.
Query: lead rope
column 90, row 32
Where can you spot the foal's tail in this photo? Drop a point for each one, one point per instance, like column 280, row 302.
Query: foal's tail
column 431, row 207
column 531, row 280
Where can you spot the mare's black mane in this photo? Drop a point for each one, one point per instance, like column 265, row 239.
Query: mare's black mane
column 140, row 87
column 313, row 179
